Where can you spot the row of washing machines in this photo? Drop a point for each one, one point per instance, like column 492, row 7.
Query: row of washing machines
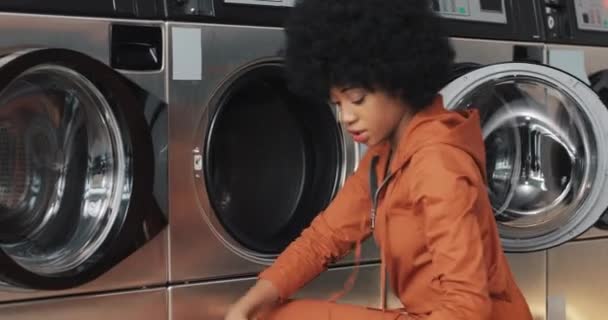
column 153, row 160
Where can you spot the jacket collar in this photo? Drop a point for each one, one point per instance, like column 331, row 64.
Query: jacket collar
column 405, row 149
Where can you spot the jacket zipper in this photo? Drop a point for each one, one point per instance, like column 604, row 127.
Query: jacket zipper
column 375, row 190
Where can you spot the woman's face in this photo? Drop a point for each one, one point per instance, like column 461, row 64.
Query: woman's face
column 371, row 117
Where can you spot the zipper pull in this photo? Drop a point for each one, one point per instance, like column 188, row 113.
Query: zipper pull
column 373, row 190
column 373, row 219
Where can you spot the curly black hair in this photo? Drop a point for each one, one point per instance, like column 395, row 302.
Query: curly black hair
column 396, row 46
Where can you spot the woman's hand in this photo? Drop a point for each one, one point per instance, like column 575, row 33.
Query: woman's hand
column 261, row 296
column 236, row 314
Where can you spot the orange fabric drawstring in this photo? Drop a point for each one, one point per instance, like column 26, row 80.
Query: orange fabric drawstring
column 350, row 282
column 383, row 265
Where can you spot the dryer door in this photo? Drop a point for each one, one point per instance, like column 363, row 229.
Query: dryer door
column 76, row 170
column 546, row 146
column 271, row 161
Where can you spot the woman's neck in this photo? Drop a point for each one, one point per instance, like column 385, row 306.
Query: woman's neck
column 400, row 130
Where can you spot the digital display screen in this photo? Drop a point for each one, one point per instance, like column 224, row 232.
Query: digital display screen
column 491, row 5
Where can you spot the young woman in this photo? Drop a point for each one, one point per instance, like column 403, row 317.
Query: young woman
column 420, row 190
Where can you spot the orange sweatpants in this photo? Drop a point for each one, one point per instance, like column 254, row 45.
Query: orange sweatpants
column 325, row 310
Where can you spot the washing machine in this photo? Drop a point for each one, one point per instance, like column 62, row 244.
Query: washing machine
column 83, row 159
column 577, row 37
column 544, row 131
column 251, row 163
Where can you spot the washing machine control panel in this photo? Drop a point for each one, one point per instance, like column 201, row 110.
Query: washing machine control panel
column 492, row 11
column 592, row 15
column 576, row 21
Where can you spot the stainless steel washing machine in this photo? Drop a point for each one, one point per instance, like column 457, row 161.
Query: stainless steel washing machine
column 577, row 37
column 544, row 131
column 545, row 142
column 251, row 163
column 543, row 128
column 83, row 155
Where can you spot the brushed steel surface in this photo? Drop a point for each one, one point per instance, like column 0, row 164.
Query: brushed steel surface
column 145, row 267
column 149, row 265
column 200, row 248
column 137, row 305
column 595, row 57
column 491, row 51
column 211, row 300
column 576, row 280
column 90, row 36
column 530, row 274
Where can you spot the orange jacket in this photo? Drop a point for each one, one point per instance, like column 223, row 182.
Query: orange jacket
column 433, row 222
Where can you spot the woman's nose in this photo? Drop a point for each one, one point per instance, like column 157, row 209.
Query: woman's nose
column 347, row 116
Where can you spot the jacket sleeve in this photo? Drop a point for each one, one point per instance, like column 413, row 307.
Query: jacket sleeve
column 330, row 236
column 446, row 186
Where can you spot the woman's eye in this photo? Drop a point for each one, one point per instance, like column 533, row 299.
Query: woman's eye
column 359, row 100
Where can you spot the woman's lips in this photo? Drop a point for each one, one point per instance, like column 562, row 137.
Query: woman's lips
column 359, row 136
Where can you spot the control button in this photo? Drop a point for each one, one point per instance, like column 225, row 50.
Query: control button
column 550, row 22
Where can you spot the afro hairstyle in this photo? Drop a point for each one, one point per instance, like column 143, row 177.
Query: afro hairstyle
column 395, row 46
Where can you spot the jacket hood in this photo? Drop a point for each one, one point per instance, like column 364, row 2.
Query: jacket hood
column 435, row 124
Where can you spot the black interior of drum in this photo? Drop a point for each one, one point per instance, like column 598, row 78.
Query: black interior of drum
column 271, row 160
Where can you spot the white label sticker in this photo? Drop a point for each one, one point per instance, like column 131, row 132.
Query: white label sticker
column 187, row 53
column 571, row 61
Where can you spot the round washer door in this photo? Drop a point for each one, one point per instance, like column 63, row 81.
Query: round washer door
column 270, row 161
column 75, row 170
column 546, row 150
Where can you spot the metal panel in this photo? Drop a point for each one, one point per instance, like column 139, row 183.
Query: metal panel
column 138, row 305
column 145, row 267
column 224, row 49
column 90, row 36
column 529, row 270
column 493, row 51
column 211, row 300
column 595, row 57
column 192, row 241
column 576, row 281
